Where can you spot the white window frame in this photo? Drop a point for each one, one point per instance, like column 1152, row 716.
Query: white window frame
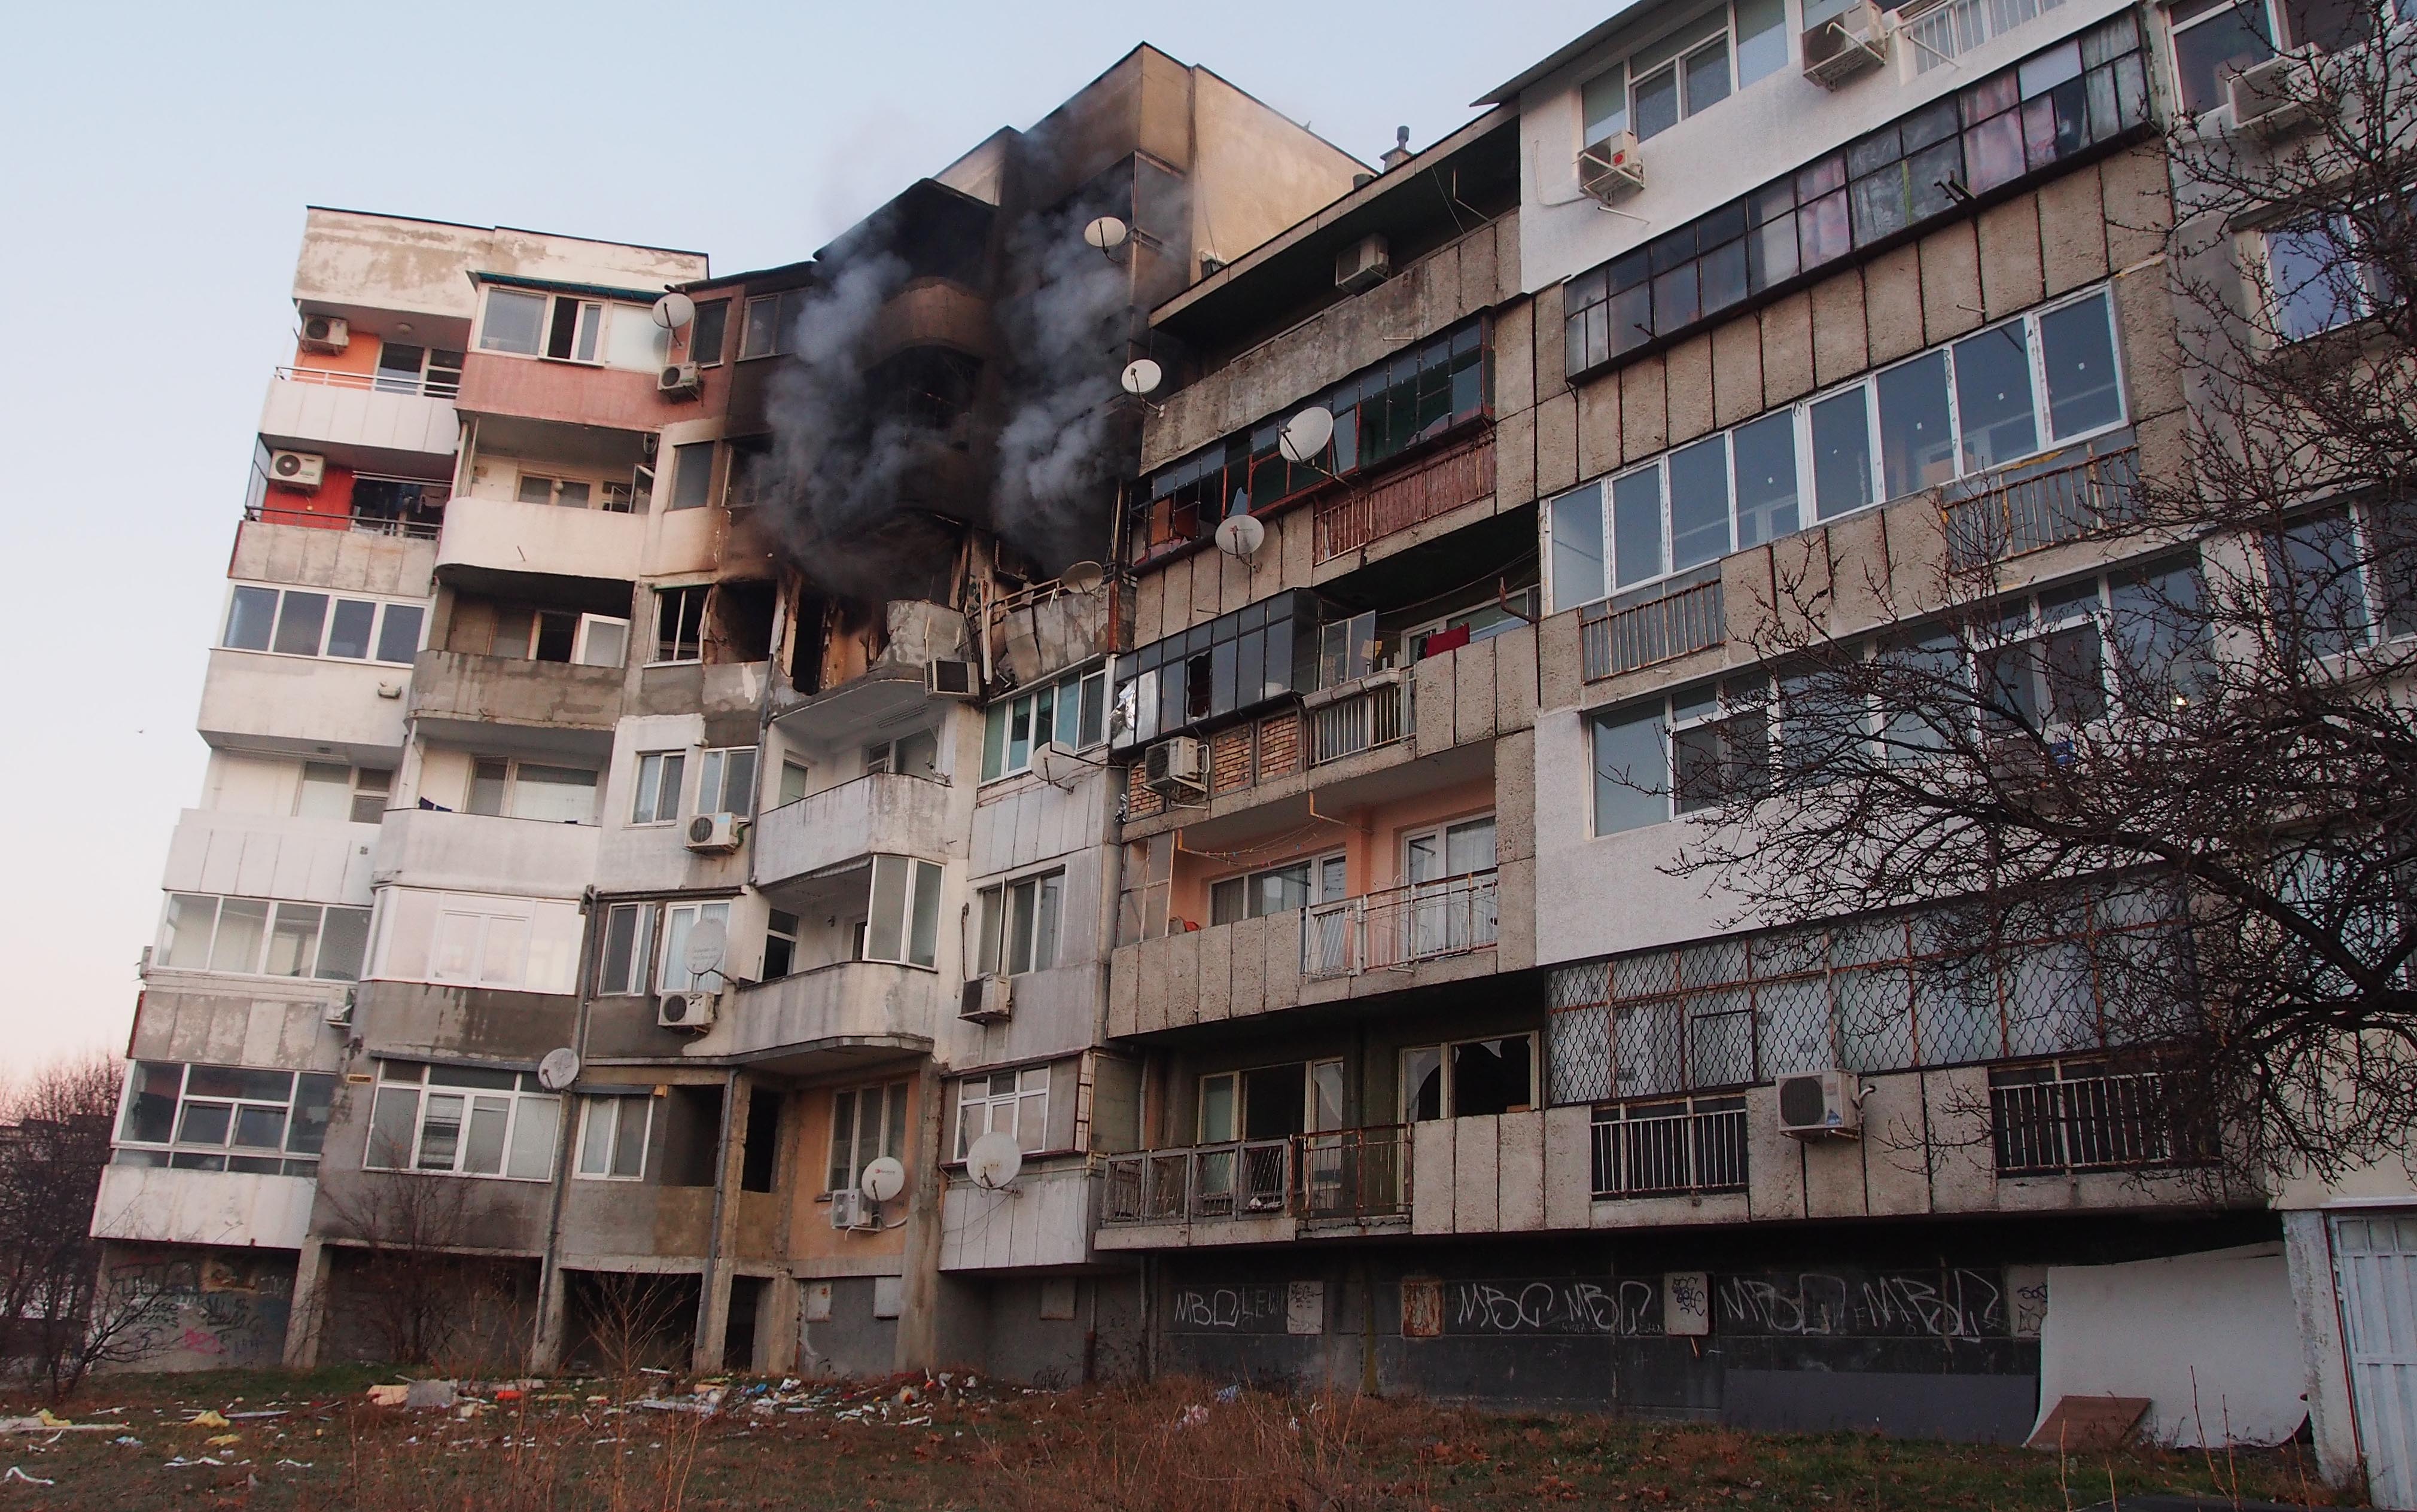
column 652, row 805
column 1025, row 707
column 454, row 919
column 523, row 1101
column 1732, row 35
column 637, row 968
column 489, row 295
column 994, row 954
column 684, row 653
column 890, row 1133
column 1311, row 1070
column 275, row 909
column 920, row 874
column 380, row 610
column 512, row 768
column 1808, row 516
column 372, row 783
column 796, row 775
column 2345, row 238
column 671, row 969
column 714, row 772
column 2174, row 31
column 584, row 650
column 1012, row 1101
column 1324, row 867
column 615, row 1107
column 1406, row 1092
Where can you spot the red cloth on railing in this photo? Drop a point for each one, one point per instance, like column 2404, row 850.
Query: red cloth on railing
column 1443, row 641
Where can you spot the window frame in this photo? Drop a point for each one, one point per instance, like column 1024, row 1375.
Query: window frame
column 637, row 966
column 1323, row 866
column 1730, row 33
column 715, row 770
column 380, row 610
column 513, row 766
column 1021, row 1091
column 920, row 874
column 890, row 1133
column 263, row 948
column 671, row 965
column 2175, row 29
column 590, row 1106
column 1002, row 756
column 669, row 788
column 719, row 311
column 679, row 594
column 1448, row 1093
column 289, row 1156
column 1040, row 930
column 524, row 1099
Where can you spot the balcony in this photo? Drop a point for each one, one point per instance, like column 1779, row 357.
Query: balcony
column 571, row 393
column 473, row 690
column 1366, row 715
column 886, row 813
column 1399, row 927
column 154, row 1205
column 2047, row 1122
column 1357, row 518
column 359, row 419
column 2047, row 506
column 311, row 705
column 1257, row 1191
column 484, row 852
column 380, row 556
column 1666, row 621
column 307, row 860
column 860, row 696
column 824, row 1017
column 611, row 1219
column 1048, row 628
column 930, row 313
column 505, row 535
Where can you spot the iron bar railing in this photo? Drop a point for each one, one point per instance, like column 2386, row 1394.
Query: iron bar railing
column 1400, row 926
column 1341, row 1174
column 1623, row 638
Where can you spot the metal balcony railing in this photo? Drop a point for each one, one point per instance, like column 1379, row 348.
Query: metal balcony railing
column 1345, row 1174
column 1623, row 638
column 1376, row 715
column 2042, row 509
column 408, row 529
column 443, row 384
column 2089, row 1123
column 1668, row 1149
column 1399, row 925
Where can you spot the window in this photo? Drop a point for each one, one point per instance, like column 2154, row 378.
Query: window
column 400, row 367
column 296, row 622
column 1275, row 889
column 704, row 337
column 1271, row 1102
column 658, row 799
column 867, row 1123
column 692, row 475
column 515, row 789
column 2021, row 120
column 679, row 623
column 772, row 322
column 600, row 641
column 915, row 754
column 2319, row 278
column 459, row 939
column 515, row 323
column 1470, row 1078
column 2044, row 379
column 1380, row 412
column 1019, row 926
column 779, row 945
column 1072, row 711
column 1233, row 662
column 2214, row 39
column 903, row 924
column 1687, row 71
column 727, row 781
column 612, row 1137
column 329, row 790
column 1005, row 1102
column 752, row 473
column 629, row 939
column 2335, row 576
column 680, row 922
column 1604, row 102
column 224, row 1118
column 461, row 1120
column 794, row 778
column 255, row 937
column 1943, row 32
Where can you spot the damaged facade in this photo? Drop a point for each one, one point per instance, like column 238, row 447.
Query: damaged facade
column 1268, row 894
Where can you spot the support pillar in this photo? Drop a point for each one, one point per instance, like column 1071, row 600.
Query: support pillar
column 306, row 1320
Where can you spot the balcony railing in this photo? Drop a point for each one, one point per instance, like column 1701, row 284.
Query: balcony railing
column 1399, row 925
column 1671, row 1148
column 2044, row 508
column 436, row 385
column 2113, row 1122
column 408, row 529
column 1358, row 516
column 1940, row 34
column 1348, row 1174
column 1375, row 715
column 1620, row 638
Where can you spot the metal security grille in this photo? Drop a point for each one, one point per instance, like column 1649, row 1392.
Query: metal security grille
column 1366, row 720
column 1346, row 1175
column 1670, row 1148
column 2048, row 1120
column 2043, row 509
column 1624, row 638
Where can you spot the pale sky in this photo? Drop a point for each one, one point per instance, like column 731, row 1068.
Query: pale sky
column 159, row 160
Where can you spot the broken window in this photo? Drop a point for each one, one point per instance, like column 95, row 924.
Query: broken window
column 679, row 623
column 779, row 945
column 1470, row 1078
column 867, row 1123
column 462, row 1120
column 760, row 1156
column 612, row 1137
column 223, row 1118
column 742, row 621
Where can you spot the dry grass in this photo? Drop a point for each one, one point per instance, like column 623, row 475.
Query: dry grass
column 1166, row 1447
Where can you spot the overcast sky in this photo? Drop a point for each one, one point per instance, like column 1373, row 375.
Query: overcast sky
column 160, row 161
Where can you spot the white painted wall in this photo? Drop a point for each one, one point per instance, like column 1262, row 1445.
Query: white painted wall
column 311, row 415
column 203, row 1207
column 307, row 860
column 510, row 536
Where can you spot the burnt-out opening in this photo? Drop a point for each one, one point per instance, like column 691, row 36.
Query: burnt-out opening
column 763, row 1148
column 742, row 615
column 738, row 1336
column 620, row 1323
column 692, row 1135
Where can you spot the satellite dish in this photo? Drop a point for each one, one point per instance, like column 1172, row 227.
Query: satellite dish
column 707, row 940
column 1108, row 233
column 993, row 1160
column 1241, row 536
column 1083, row 577
column 1142, row 377
column 884, row 1178
column 674, row 311
column 559, row 1069
column 1304, row 436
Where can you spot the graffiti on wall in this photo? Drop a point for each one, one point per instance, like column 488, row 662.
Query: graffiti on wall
column 1230, row 1310
column 1625, row 1308
column 1848, row 1303
column 207, row 1312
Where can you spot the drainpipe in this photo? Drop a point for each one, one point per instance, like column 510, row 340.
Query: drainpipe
column 545, row 1343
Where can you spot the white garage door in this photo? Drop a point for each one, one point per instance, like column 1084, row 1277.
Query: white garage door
column 2376, row 1263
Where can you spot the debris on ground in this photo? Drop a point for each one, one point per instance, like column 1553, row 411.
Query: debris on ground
column 15, row 1473
column 207, row 1417
column 388, row 1396
column 430, row 1394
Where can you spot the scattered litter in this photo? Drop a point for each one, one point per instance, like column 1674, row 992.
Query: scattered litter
column 15, row 1473
column 1195, row 1416
column 36, row 1425
column 430, row 1394
column 295, row 1464
column 223, row 1439
column 128, row 1438
column 180, row 1462
column 388, row 1396
column 206, row 1417
column 1230, row 1395
column 238, row 1417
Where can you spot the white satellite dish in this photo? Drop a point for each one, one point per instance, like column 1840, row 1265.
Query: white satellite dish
column 707, row 942
column 1241, row 536
column 993, row 1160
column 1304, row 436
column 559, row 1069
column 884, row 1178
column 1108, row 233
column 1083, row 577
column 1142, row 377
column 674, row 311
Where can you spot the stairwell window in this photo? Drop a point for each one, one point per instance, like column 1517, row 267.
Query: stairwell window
column 1005, row 1102
column 1019, row 926
column 867, row 1123
column 463, row 1121
column 658, row 797
column 613, row 1132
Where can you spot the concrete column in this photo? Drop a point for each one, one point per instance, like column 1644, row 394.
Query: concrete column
column 919, row 1313
column 552, row 1310
column 712, row 1316
column 2307, row 1249
column 777, row 1331
column 306, row 1321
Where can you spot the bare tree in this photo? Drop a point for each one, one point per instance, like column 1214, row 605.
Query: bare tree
column 2165, row 804
column 416, row 1296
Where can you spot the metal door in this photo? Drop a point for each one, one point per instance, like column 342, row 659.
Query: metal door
column 2375, row 1265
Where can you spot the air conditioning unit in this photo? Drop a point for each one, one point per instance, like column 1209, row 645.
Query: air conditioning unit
column 1847, row 44
column 681, row 380
column 297, row 469
column 852, row 1209
column 1363, row 265
column 952, row 679
column 714, row 832
column 1820, row 1105
column 2273, row 96
column 1612, row 169
column 337, row 1011
column 986, row 999
column 685, row 1011
column 325, row 333
column 1176, row 767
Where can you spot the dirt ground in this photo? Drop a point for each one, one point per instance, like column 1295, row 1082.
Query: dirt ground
column 274, row 1440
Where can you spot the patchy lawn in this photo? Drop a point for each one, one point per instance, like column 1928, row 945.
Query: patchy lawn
column 660, row 1443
